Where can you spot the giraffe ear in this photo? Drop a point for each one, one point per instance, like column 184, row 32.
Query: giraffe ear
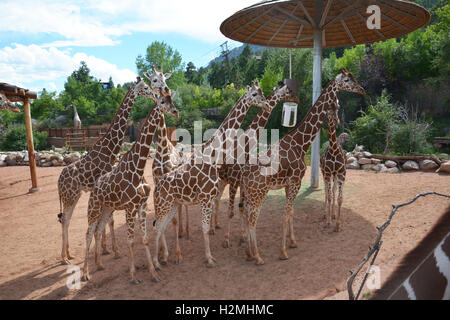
column 147, row 75
column 160, row 69
column 153, row 69
column 343, row 71
column 173, row 94
column 167, row 75
column 139, row 79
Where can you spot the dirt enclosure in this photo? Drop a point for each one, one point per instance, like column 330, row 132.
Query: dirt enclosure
column 30, row 238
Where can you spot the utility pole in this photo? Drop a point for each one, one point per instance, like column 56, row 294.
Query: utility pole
column 225, row 53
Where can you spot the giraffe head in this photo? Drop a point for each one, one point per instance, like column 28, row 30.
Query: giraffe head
column 255, row 96
column 343, row 138
column 157, row 79
column 5, row 104
column 164, row 102
column 345, row 81
column 70, row 106
column 284, row 93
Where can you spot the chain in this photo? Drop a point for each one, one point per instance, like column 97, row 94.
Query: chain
column 375, row 248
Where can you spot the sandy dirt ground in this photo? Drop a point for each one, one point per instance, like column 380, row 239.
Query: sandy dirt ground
column 30, row 238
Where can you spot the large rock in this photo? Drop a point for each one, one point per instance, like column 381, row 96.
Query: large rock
column 390, row 164
column 3, row 163
column 47, row 164
column 351, row 159
column 11, row 159
column 367, row 166
column 392, row 170
column 379, row 168
column 375, row 161
column 445, row 167
column 410, row 165
column 353, row 165
column 428, row 165
column 367, row 154
column 364, row 161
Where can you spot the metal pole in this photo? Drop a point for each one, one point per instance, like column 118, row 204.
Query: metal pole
column 31, row 158
column 317, row 89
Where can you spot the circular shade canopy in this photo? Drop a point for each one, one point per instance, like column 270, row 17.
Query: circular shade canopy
column 290, row 24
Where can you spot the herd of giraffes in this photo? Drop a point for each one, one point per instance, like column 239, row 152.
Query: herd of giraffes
column 181, row 180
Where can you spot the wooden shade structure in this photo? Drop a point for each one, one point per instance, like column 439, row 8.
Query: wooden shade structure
column 16, row 94
column 318, row 24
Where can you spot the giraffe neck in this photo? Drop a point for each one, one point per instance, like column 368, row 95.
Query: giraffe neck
column 435, row 268
column 75, row 112
column 115, row 135
column 334, row 145
column 307, row 130
column 137, row 156
column 233, row 120
column 164, row 146
column 261, row 118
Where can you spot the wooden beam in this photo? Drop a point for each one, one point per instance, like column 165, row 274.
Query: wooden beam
column 295, row 18
column 301, row 39
column 313, row 23
column 260, row 27
column 31, row 156
column 325, row 13
column 251, row 21
column 396, row 10
column 364, row 20
column 348, row 31
column 299, row 33
column 343, row 14
column 395, row 22
column 282, row 25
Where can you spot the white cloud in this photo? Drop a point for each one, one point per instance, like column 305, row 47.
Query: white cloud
column 100, row 22
column 25, row 64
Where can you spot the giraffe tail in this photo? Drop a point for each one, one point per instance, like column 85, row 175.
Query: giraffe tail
column 60, row 214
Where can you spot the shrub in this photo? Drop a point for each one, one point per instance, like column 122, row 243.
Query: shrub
column 410, row 137
column 15, row 139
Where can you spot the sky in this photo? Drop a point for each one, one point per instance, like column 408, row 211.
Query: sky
column 43, row 41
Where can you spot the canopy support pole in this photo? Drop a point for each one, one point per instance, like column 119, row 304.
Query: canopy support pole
column 31, row 157
column 317, row 90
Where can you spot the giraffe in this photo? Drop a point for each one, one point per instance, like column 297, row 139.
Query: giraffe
column 82, row 174
column 5, row 104
column 125, row 188
column 424, row 273
column 288, row 167
column 76, row 117
column 196, row 181
column 332, row 165
column 232, row 173
column 167, row 157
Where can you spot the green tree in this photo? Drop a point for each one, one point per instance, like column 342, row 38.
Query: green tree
column 160, row 54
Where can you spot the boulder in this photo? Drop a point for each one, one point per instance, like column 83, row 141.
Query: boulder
column 428, row 165
column 47, row 164
column 410, row 165
column 392, row 170
column 364, row 161
column 351, row 159
column 11, row 159
column 390, row 164
column 353, row 165
column 367, row 166
column 445, row 167
column 375, row 161
column 367, row 154
column 3, row 163
column 379, row 168
column 56, row 157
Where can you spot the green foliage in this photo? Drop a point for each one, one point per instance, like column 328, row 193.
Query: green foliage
column 160, row 54
column 371, row 127
column 410, row 137
column 15, row 139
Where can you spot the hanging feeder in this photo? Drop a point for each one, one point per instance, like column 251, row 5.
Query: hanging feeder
column 289, row 114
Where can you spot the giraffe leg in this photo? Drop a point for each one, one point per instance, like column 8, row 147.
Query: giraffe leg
column 187, row 222
column 207, row 209
column 291, row 193
column 66, row 216
column 180, row 220
column 232, row 196
column 162, row 219
column 89, row 235
column 115, row 248
column 242, row 204
column 328, row 204
column 104, row 249
column 130, row 241
column 339, row 201
column 214, row 216
column 146, row 242
column 253, row 216
column 105, row 216
column 327, row 186
column 333, row 206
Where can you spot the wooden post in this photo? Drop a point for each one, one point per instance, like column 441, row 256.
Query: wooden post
column 31, row 156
